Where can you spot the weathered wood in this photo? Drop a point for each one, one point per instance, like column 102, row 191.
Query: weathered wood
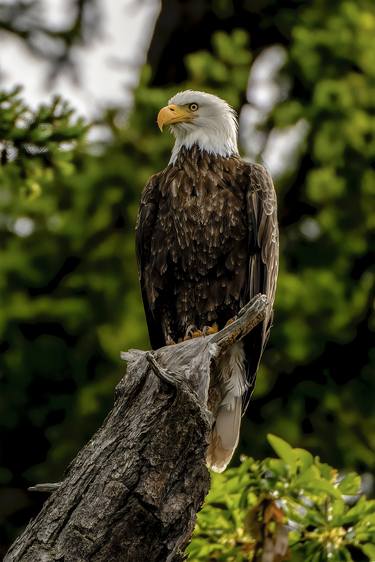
column 132, row 493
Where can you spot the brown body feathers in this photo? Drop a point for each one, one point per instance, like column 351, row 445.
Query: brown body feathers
column 207, row 241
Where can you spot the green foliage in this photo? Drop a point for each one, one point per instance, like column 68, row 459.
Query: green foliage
column 321, row 337
column 295, row 504
column 226, row 69
column 37, row 147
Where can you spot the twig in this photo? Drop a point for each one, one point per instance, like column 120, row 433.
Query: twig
column 47, row 487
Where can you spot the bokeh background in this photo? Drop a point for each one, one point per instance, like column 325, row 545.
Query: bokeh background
column 302, row 77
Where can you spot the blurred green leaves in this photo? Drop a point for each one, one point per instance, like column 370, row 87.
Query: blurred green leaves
column 226, row 69
column 326, row 282
column 37, row 146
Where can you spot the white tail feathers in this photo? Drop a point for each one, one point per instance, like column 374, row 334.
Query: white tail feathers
column 226, row 430
column 224, row 437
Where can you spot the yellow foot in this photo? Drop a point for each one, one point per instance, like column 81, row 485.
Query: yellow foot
column 192, row 332
column 169, row 341
column 208, row 330
column 230, row 321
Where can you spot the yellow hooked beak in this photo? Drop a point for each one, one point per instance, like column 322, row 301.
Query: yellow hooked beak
column 171, row 114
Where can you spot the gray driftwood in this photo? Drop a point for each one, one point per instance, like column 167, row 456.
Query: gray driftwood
column 132, row 493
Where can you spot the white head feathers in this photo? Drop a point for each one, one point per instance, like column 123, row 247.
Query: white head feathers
column 213, row 126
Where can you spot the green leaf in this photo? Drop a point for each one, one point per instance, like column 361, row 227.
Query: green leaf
column 360, row 510
column 326, row 470
column 305, row 459
column 312, row 473
column 283, row 450
column 369, row 550
column 277, row 466
column 338, row 508
column 350, row 484
column 315, row 486
column 344, row 555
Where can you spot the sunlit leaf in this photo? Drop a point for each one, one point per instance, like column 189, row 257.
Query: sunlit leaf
column 350, row 484
column 283, row 449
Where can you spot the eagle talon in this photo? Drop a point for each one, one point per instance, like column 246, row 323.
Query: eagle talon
column 208, row 330
column 189, row 331
column 230, row 321
column 192, row 332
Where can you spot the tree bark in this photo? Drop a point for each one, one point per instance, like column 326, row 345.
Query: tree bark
column 187, row 27
column 132, row 493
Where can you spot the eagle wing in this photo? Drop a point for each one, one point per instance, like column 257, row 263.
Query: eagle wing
column 263, row 260
column 144, row 228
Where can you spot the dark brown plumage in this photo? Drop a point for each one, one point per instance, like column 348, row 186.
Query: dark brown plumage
column 207, row 241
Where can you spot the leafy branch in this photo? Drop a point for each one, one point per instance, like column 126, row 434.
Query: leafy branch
column 36, row 145
column 291, row 507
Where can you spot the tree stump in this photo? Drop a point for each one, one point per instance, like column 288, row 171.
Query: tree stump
column 132, row 493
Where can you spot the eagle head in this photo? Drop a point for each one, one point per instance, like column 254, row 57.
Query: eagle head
column 202, row 119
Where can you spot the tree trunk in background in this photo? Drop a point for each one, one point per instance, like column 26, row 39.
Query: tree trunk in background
column 133, row 491
column 185, row 27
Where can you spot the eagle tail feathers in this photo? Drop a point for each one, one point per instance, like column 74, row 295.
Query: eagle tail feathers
column 226, row 430
column 225, row 435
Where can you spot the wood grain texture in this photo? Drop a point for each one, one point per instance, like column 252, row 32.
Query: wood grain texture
column 132, row 493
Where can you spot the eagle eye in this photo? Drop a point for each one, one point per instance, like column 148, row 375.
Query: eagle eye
column 193, row 106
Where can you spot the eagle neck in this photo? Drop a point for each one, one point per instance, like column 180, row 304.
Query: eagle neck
column 215, row 146
column 196, row 155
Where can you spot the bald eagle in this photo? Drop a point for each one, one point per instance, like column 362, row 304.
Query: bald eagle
column 207, row 242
